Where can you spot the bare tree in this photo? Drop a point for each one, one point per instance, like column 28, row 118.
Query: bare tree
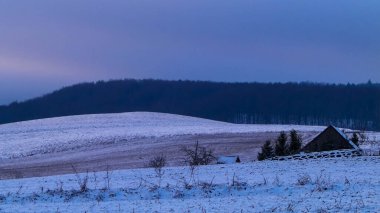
column 158, row 163
column 198, row 155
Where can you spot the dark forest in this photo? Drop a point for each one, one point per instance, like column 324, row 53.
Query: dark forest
column 349, row 105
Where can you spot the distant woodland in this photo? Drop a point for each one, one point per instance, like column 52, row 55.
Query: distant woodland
column 350, row 105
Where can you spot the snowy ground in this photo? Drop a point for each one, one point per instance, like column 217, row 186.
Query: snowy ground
column 74, row 132
column 50, row 146
column 325, row 185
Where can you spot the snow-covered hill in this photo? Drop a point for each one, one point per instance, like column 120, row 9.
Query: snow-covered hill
column 71, row 132
column 325, row 185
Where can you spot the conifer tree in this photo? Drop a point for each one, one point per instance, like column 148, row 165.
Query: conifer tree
column 295, row 142
column 281, row 147
column 355, row 139
column 266, row 151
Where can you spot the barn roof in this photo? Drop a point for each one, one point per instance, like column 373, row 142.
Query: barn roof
column 315, row 144
column 345, row 137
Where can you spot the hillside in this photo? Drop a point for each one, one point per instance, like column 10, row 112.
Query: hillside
column 349, row 106
column 74, row 132
column 123, row 140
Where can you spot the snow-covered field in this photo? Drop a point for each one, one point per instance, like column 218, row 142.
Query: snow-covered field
column 325, row 185
column 72, row 132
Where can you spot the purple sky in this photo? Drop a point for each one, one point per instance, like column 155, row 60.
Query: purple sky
column 46, row 44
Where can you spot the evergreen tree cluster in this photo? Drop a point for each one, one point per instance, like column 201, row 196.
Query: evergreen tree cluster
column 283, row 146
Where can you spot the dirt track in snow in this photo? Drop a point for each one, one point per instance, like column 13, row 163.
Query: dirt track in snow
column 135, row 153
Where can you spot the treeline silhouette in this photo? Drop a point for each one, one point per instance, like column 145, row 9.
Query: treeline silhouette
column 351, row 106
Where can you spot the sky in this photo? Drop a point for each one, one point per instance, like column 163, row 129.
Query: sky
column 45, row 45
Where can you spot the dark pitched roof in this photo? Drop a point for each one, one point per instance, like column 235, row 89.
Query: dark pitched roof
column 319, row 141
column 345, row 137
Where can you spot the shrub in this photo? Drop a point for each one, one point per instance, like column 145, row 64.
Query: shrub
column 158, row 163
column 323, row 183
column 303, row 180
column 198, row 155
column 82, row 182
column 178, row 194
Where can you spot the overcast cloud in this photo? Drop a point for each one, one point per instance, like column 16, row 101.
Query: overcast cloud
column 46, row 44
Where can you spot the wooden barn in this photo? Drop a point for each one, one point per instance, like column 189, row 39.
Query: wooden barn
column 331, row 138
